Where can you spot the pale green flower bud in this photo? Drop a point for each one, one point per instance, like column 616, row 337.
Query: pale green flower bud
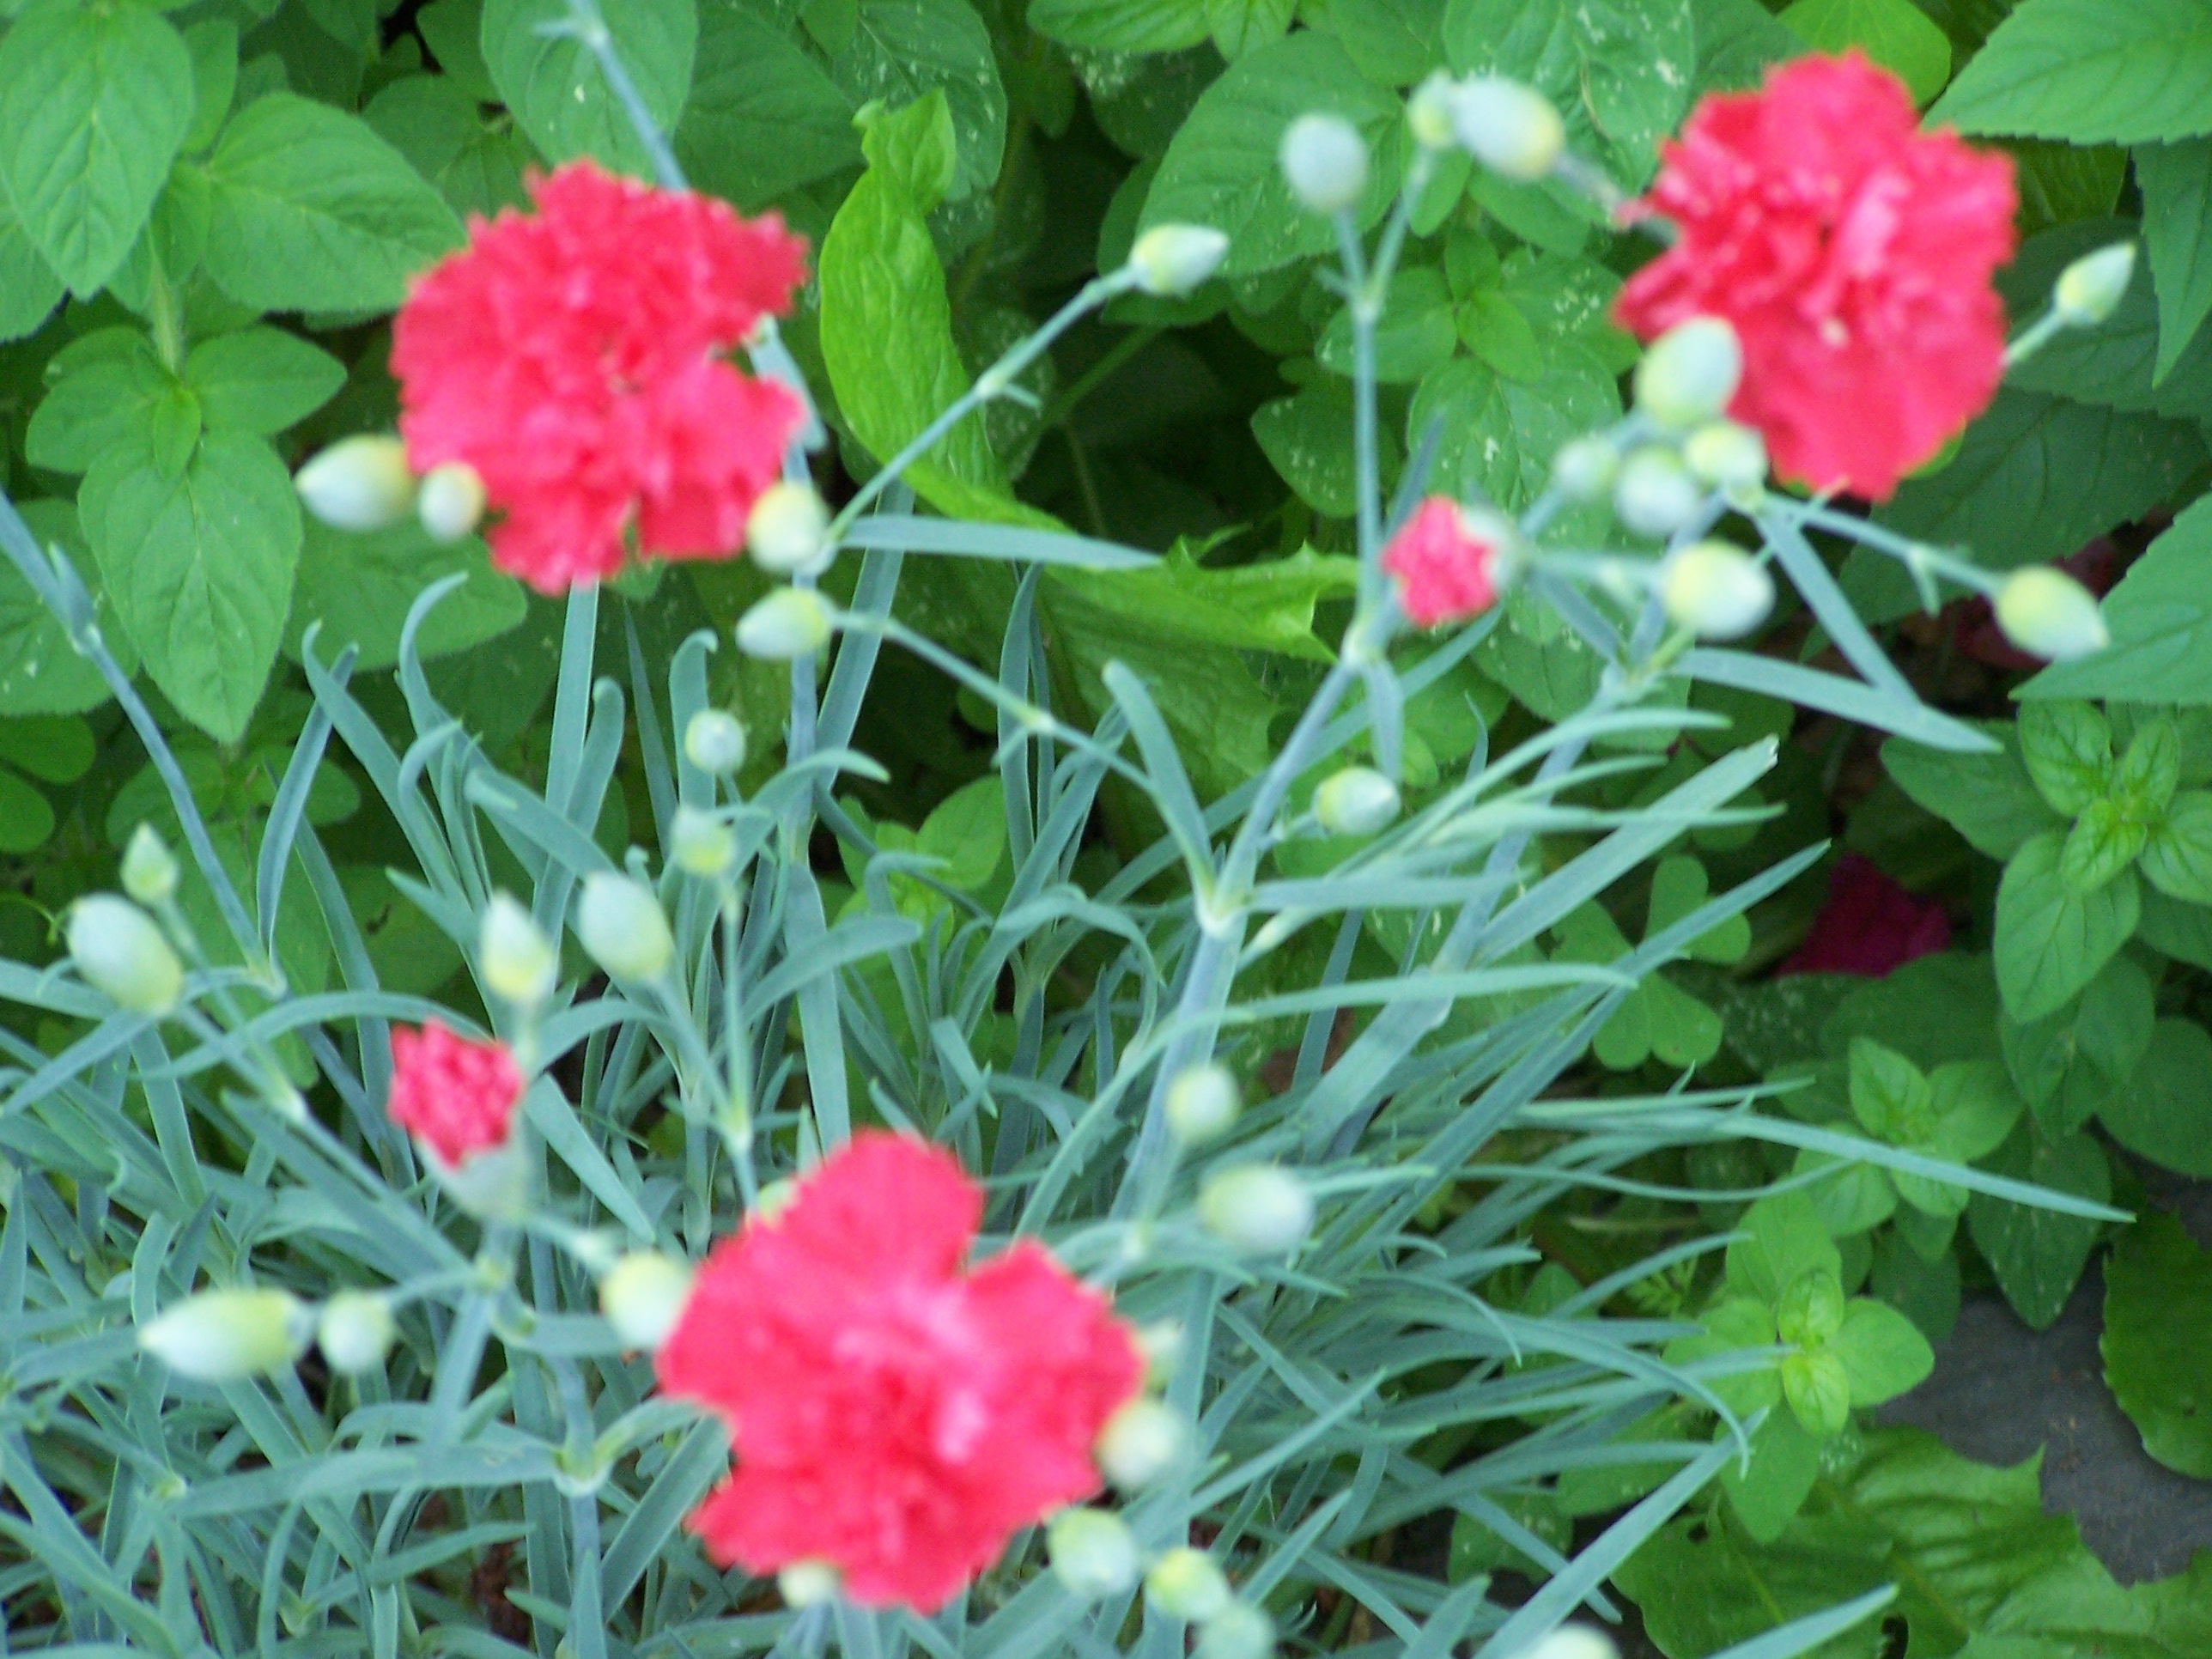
column 1261, row 1209
column 358, row 484
column 1655, row 495
column 1510, row 128
column 790, row 623
column 1093, row 1552
column 494, row 1185
column 1356, row 801
column 1140, row 1442
column 1185, row 1584
column 1573, row 1642
column 355, row 1331
column 2046, row 613
column 1716, row 590
column 715, row 741
column 452, row 504
column 808, row 1583
column 1202, row 1102
column 221, row 1336
column 149, row 870
column 788, row 532
column 1325, row 161
column 1161, row 1345
column 642, row 1296
column 123, row 953
column 623, row 927
column 1585, row 468
column 1172, row 260
column 1429, row 111
column 700, row 844
column 2090, row 289
column 1689, row 374
column 1239, row 1630
column 1728, row 455
column 518, row 962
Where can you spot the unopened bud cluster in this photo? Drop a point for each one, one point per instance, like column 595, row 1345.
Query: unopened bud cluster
column 364, row 483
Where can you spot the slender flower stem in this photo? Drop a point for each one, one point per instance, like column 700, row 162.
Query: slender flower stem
column 2032, row 339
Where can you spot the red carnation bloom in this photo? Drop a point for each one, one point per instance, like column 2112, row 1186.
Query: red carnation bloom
column 455, row 1097
column 1871, row 924
column 576, row 357
column 1852, row 251
column 891, row 1414
column 1445, row 565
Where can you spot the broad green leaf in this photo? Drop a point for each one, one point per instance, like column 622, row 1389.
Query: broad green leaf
column 214, row 48
column 1394, row 41
column 1894, row 33
column 2157, row 1343
column 1308, row 438
column 2104, row 841
column 1934, row 1009
column 1121, row 25
column 311, row 210
column 1890, row 1096
column 2176, row 180
column 1414, row 336
column 1539, row 658
column 1737, row 42
column 763, row 118
column 1987, row 798
column 453, row 30
column 477, row 166
column 359, row 587
column 27, row 818
column 261, row 380
column 104, row 392
column 1730, row 1326
column 1679, row 886
column 1266, row 605
column 2067, row 747
column 2163, row 1111
column 2035, row 477
column 40, row 672
column 1497, row 436
column 1618, row 70
column 2060, row 183
column 1818, row 1388
column 1974, row 1106
column 968, row 830
column 1882, row 1353
column 2173, row 928
column 2176, row 858
column 2148, row 770
column 2069, row 1063
column 2115, row 363
column 553, row 84
column 2089, row 73
column 901, row 50
column 94, row 101
column 29, row 290
column 200, row 568
column 2051, row 941
column 1786, row 1462
column 1239, row 26
column 1780, row 1237
column 1222, row 168
column 2038, row 1254
column 2161, row 618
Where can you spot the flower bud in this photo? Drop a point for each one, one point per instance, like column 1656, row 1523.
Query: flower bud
column 1718, row 591
column 1585, row 468
column 1728, row 455
column 1171, row 260
column 787, row 531
column 1239, row 1630
column 149, row 870
column 1202, row 1102
column 808, row 1583
column 452, row 504
column 2090, row 289
column 1653, row 496
column 700, row 844
column 1574, row 1642
column 494, row 1185
column 1429, row 111
column 642, row 1296
column 1140, row 1442
column 122, row 953
column 715, row 741
column 355, row 1331
column 1261, row 1209
column 1356, row 801
column 2046, row 613
column 792, row 621
column 1325, row 160
column 1689, row 374
column 518, row 962
column 1510, row 128
column 1185, row 1584
column 360, row 483
column 1161, row 1345
column 1093, row 1552
column 623, row 927
column 221, row 1336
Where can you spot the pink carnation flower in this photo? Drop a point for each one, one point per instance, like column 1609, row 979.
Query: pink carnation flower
column 1445, row 570
column 1853, row 254
column 893, row 1414
column 577, row 358
column 455, row 1097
